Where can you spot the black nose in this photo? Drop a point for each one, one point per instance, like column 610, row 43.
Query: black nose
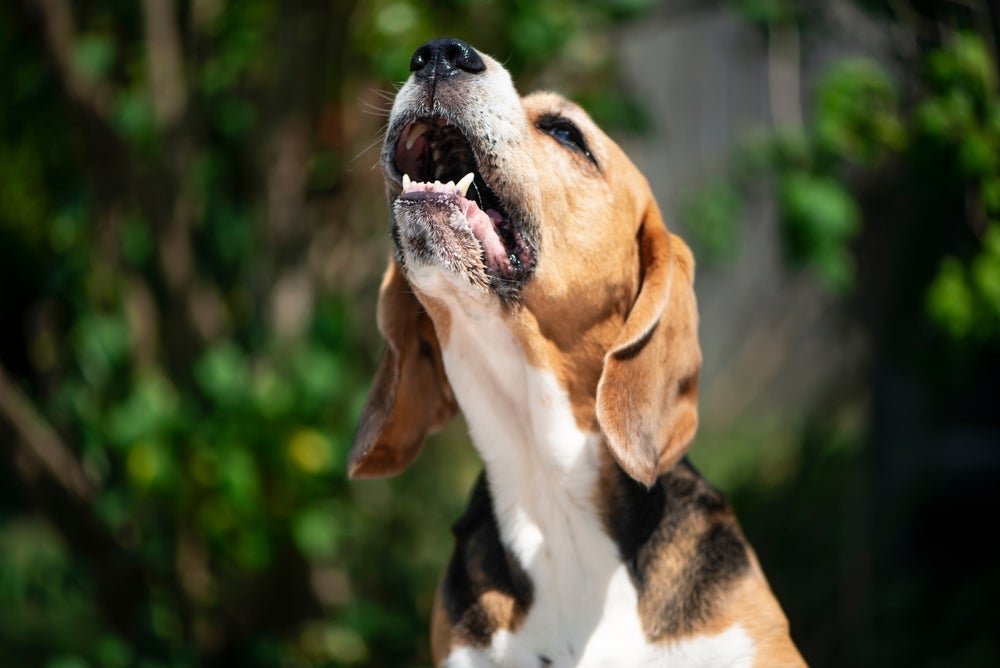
column 445, row 57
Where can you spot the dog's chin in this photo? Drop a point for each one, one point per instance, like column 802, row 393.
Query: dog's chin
column 477, row 237
column 436, row 227
column 434, row 238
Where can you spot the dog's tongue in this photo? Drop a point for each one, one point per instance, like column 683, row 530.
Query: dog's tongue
column 482, row 223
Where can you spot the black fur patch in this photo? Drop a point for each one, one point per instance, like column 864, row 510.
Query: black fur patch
column 684, row 517
column 480, row 564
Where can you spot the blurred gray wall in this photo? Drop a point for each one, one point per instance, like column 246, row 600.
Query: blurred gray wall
column 774, row 342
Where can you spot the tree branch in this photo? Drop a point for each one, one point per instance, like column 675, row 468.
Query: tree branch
column 41, row 442
column 60, row 40
column 166, row 67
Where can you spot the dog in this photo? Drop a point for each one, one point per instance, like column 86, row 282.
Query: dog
column 534, row 286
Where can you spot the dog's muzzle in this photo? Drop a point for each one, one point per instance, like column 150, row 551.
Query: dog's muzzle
column 446, row 212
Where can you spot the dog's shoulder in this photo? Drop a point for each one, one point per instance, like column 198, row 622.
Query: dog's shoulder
column 679, row 540
column 484, row 589
column 682, row 545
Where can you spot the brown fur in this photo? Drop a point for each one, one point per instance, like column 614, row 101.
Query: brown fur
column 410, row 395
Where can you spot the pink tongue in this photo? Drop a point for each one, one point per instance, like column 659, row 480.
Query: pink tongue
column 483, row 227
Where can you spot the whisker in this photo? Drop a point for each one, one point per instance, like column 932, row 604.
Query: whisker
column 371, row 108
column 376, row 140
column 389, row 96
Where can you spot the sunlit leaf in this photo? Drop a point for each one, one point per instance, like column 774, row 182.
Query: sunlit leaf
column 315, row 533
column 222, row 374
column 147, row 412
column 949, row 300
column 985, row 273
column 856, row 115
column 239, row 478
column 101, row 342
column 818, row 212
column 311, row 451
column 149, row 465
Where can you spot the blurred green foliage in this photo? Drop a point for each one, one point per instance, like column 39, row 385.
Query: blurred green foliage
column 887, row 193
column 190, row 248
column 151, row 221
column 860, row 125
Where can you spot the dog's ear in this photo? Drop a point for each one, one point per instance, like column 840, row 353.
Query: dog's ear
column 647, row 395
column 410, row 396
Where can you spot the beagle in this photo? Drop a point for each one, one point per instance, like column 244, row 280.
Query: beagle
column 535, row 287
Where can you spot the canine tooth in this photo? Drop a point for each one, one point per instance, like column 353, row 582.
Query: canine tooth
column 417, row 130
column 465, row 182
column 406, row 181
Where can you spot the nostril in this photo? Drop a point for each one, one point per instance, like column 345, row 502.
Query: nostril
column 419, row 59
column 464, row 57
column 445, row 57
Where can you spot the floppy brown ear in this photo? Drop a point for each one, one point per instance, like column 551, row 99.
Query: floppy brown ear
column 647, row 395
column 410, row 396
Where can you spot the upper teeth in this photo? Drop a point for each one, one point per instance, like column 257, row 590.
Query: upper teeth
column 464, row 183
column 462, row 187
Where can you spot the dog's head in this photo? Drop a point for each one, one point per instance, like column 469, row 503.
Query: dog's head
column 524, row 207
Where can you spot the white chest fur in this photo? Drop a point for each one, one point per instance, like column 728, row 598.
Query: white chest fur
column 542, row 471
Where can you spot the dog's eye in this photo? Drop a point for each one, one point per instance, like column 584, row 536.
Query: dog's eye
column 566, row 133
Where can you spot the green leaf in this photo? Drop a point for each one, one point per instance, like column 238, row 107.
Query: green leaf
column 320, row 374
column 977, row 154
column 235, row 117
column 765, row 12
column 101, row 342
column 239, row 479
column 146, row 413
column 113, row 653
column 272, row 394
column 713, row 214
column 835, row 268
column 856, row 116
column 222, row 374
column 93, row 56
column 67, row 229
column 818, row 210
column 950, row 302
column 315, row 533
column 985, row 272
column 396, row 19
column 622, row 10
column 990, row 193
column 933, row 120
column 974, row 66
column 252, row 549
column 136, row 241
column 133, row 118
column 149, row 465
column 67, row 662
column 312, row 452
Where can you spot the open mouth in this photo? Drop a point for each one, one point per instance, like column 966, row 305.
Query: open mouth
column 438, row 164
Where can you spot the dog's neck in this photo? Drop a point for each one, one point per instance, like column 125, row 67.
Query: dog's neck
column 543, row 469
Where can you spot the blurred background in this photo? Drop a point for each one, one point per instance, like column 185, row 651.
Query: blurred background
column 192, row 230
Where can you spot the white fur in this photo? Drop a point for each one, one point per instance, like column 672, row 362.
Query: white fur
column 729, row 649
column 543, row 472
